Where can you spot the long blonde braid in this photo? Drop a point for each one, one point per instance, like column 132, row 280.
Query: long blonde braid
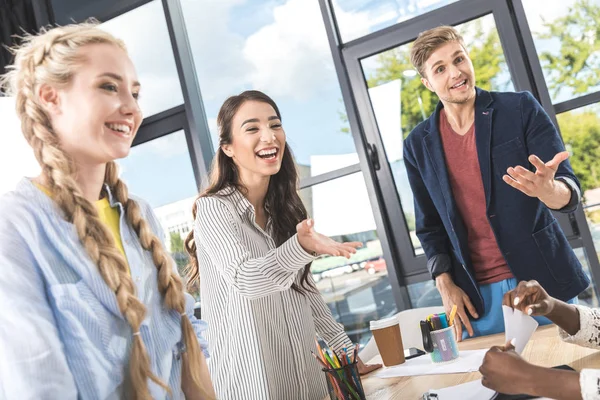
column 170, row 284
column 52, row 57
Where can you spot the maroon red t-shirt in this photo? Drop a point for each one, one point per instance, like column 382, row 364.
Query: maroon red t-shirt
column 465, row 178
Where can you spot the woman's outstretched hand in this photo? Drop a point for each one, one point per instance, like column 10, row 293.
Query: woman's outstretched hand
column 314, row 242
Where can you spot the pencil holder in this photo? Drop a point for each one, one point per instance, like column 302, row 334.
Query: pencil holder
column 344, row 383
column 445, row 347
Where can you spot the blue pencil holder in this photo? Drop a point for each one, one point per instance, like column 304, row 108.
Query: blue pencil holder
column 445, row 347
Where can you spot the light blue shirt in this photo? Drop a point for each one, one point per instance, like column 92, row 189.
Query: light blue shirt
column 62, row 335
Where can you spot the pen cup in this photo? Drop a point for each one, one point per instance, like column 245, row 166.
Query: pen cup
column 444, row 343
column 344, row 383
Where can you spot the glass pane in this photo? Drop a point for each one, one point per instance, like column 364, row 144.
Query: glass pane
column 566, row 40
column 283, row 51
column 580, row 130
column 151, row 52
column 357, row 290
column 16, row 156
column 160, row 172
column 357, row 18
column 424, row 294
column 400, row 101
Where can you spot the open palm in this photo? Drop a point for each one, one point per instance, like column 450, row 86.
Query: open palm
column 312, row 241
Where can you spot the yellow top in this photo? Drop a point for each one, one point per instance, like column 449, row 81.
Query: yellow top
column 108, row 215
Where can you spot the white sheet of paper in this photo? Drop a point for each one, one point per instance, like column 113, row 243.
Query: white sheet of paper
column 469, row 361
column 518, row 326
column 467, row 391
column 508, row 322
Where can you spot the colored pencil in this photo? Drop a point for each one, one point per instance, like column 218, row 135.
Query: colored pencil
column 340, row 370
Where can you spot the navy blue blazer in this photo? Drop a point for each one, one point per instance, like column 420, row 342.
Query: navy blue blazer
column 508, row 128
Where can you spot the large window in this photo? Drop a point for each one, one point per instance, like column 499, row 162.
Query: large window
column 357, row 290
column 151, row 53
column 566, row 40
column 281, row 49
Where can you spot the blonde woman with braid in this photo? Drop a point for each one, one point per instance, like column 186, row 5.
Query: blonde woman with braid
column 91, row 304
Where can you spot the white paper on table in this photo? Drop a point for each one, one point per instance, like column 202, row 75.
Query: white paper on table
column 467, row 391
column 518, row 326
column 468, row 361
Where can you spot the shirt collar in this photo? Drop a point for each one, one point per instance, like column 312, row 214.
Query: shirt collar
column 111, row 199
column 240, row 202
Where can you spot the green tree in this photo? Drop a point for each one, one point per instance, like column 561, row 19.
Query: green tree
column 178, row 252
column 576, row 65
column 176, row 242
column 581, row 133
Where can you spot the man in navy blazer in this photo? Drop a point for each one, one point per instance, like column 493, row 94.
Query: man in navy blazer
column 485, row 169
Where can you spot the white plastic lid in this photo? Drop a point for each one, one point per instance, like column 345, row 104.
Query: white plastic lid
column 384, row 323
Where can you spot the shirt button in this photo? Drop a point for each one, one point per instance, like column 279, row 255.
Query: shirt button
column 138, row 279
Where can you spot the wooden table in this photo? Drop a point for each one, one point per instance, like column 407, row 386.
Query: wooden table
column 545, row 348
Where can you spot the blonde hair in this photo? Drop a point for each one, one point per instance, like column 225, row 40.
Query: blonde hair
column 52, row 57
column 429, row 41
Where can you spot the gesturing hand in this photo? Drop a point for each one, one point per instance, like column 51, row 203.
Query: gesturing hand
column 313, row 241
column 541, row 183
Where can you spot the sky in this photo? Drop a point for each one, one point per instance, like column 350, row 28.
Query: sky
column 278, row 46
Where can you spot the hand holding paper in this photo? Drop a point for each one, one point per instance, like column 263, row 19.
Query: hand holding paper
column 530, row 298
column 519, row 327
column 505, row 371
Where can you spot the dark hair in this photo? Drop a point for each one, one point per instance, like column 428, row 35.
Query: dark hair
column 282, row 202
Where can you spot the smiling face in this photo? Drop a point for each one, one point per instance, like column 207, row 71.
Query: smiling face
column 449, row 73
column 257, row 141
column 96, row 116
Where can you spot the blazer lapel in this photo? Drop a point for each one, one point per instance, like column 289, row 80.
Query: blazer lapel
column 483, row 139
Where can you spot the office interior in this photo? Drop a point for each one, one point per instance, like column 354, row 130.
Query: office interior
column 341, row 75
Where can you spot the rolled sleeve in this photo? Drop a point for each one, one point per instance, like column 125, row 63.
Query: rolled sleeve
column 575, row 194
column 439, row 264
column 291, row 254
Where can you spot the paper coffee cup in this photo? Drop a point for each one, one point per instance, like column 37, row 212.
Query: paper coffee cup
column 388, row 340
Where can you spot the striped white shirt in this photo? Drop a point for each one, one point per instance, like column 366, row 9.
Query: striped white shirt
column 260, row 331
